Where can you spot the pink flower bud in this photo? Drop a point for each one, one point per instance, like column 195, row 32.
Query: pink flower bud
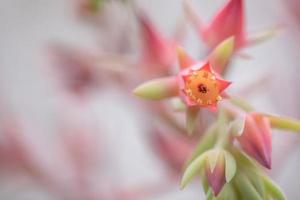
column 216, row 174
column 256, row 139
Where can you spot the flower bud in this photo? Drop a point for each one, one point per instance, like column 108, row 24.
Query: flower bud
column 256, row 139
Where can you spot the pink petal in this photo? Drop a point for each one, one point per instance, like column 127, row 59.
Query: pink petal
column 207, row 67
column 223, row 84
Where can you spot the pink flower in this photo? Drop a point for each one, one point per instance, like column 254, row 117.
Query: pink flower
column 201, row 86
column 197, row 84
column 256, row 138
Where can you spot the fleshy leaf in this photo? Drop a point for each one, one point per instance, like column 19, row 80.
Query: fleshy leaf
column 184, row 59
column 230, row 166
column 158, row 89
column 157, row 50
column 227, row 193
column 193, row 169
column 245, row 187
column 212, row 158
column 191, row 119
column 178, row 105
column 256, row 180
column 192, row 14
column 273, row 189
column 228, row 21
column 263, row 35
column 210, row 195
column 241, row 103
column 236, row 127
column 206, row 142
column 221, row 55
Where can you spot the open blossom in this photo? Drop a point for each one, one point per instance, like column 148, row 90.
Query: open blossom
column 256, row 138
column 201, row 86
column 197, row 84
column 158, row 51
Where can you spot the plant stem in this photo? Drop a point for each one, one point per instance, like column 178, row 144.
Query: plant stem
column 284, row 123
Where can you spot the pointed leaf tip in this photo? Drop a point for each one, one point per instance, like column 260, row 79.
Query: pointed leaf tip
column 192, row 170
column 184, row 59
column 221, row 55
column 158, row 89
column 230, row 166
column 263, row 35
column 273, row 189
column 237, row 126
column 246, row 188
column 212, row 158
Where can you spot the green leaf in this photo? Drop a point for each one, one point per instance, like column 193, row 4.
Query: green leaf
column 210, row 195
column 213, row 158
column 206, row 142
column 246, row 188
column 273, row 189
column 243, row 104
column 191, row 119
column 227, row 193
column 257, row 183
column 221, row 55
column 236, row 127
column 263, row 35
column 193, row 169
column 204, row 182
column 178, row 105
column 230, row 166
column 158, row 89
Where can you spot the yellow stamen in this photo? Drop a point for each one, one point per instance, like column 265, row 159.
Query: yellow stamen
column 202, row 87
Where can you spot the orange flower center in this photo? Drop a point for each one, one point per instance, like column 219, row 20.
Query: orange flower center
column 203, row 88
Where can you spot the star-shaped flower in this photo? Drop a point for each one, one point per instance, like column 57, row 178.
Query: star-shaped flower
column 197, row 84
